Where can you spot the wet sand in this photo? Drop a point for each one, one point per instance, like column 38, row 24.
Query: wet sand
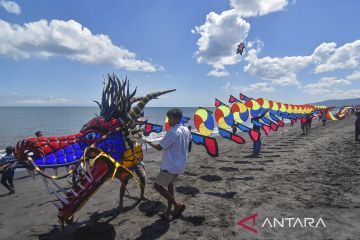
column 321, row 170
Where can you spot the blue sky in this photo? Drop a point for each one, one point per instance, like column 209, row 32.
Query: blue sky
column 57, row 52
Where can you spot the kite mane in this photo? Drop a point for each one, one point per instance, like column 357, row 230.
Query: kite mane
column 116, row 98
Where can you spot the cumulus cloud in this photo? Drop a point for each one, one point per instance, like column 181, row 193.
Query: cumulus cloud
column 280, row 71
column 355, row 76
column 344, row 57
column 219, row 38
column 10, row 6
column 257, row 45
column 341, row 93
column 325, row 85
column 218, row 72
column 69, row 39
column 255, row 87
column 284, row 70
column 260, row 7
column 221, row 33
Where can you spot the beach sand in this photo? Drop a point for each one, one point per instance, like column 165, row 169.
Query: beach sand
column 319, row 171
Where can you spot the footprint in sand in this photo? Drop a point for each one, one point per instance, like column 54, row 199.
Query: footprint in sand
column 226, row 195
column 211, row 178
column 254, row 169
column 267, row 161
column 229, row 169
column 206, row 167
column 241, row 178
column 194, row 220
column 187, row 190
column 190, row 174
column 242, row 162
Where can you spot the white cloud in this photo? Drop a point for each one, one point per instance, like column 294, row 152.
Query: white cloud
column 324, row 51
column 227, row 87
column 69, row 39
column 325, row 85
column 258, row 87
column 284, row 70
column 341, row 94
column 344, row 57
column 219, row 38
column 257, row 44
column 259, row 7
column 355, row 76
column 10, row 6
column 17, row 99
column 221, row 33
column 280, row 71
column 255, row 87
column 44, row 101
column 218, row 72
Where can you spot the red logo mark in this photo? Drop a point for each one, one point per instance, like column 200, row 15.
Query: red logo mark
column 242, row 223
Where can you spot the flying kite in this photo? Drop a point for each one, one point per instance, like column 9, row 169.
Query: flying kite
column 240, row 48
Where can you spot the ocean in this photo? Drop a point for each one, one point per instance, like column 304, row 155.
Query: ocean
column 20, row 122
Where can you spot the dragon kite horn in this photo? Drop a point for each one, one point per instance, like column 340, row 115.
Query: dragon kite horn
column 136, row 111
column 136, row 99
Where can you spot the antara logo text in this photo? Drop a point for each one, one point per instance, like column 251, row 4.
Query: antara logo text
column 249, row 223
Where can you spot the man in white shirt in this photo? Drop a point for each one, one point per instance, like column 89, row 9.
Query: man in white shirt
column 176, row 145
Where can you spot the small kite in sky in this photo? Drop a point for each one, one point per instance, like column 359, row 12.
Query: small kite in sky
column 240, row 48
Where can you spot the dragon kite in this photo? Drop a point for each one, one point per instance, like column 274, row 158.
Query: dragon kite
column 103, row 149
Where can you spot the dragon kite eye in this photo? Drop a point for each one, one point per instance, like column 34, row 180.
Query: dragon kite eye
column 92, row 136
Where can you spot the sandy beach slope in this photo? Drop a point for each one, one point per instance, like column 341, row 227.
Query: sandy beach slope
column 321, row 170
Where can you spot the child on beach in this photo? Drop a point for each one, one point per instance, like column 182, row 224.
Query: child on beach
column 176, row 145
column 8, row 172
column 139, row 171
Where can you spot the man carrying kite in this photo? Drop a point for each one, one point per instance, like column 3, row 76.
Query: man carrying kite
column 176, row 145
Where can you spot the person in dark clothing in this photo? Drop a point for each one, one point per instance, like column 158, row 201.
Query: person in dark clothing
column 306, row 124
column 38, row 134
column 8, row 170
column 324, row 118
column 357, row 126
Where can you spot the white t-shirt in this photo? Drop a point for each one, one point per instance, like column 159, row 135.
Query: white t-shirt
column 175, row 145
